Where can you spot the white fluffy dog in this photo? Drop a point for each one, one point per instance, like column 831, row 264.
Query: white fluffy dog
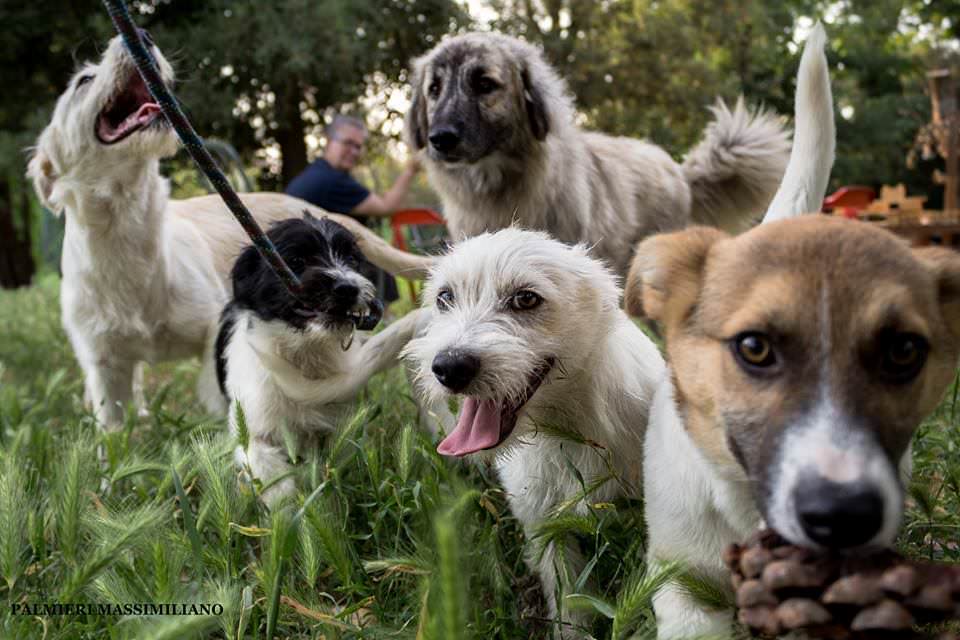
column 143, row 276
column 530, row 332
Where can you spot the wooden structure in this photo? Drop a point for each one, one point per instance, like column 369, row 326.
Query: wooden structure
column 905, row 216
column 945, row 125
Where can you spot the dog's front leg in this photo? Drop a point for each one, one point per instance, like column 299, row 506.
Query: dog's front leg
column 680, row 617
column 558, row 567
column 536, row 481
column 139, row 393
column 382, row 351
column 263, row 459
column 109, row 387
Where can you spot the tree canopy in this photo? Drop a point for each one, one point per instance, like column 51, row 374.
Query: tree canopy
column 265, row 75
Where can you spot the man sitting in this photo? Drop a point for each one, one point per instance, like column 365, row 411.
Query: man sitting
column 328, row 184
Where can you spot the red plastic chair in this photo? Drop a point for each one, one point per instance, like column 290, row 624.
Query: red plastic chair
column 407, row 218
column 847, row 201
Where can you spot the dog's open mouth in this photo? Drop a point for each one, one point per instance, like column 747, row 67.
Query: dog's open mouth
column 129, row 110
column 362, row 317
column 486, row 423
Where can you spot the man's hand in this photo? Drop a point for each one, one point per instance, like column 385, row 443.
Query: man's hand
column 385, row 205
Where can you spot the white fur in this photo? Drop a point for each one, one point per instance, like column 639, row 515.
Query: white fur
column 600, row 388
column 301, row 381
column 137, row 285
column 814, row 137
column 694, row 508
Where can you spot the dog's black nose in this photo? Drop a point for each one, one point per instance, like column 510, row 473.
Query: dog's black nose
column 444, row 139
column 455, row 369
column 838, row 515
column 345, row 292
column 145, row 36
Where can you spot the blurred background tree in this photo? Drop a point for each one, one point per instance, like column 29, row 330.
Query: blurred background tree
column 265, row 76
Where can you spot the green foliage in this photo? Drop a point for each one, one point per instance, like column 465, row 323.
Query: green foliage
column 649, row 69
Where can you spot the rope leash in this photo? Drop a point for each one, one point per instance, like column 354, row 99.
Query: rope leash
column 194, row 144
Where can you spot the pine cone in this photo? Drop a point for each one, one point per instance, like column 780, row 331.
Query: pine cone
column 781, row 588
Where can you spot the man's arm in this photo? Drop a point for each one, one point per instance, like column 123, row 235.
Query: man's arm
column 385, row 205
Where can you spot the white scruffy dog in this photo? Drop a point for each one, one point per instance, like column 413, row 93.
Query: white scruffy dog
column 143, row 276
column 530, row 332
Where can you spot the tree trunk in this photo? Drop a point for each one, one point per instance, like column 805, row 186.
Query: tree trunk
column 16, row 259
column 293, row 148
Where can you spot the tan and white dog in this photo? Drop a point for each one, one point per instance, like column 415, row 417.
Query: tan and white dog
column 802, row 354
column 144, row 277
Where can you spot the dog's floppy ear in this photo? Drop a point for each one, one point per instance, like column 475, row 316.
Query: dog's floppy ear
column 536, row 108
column 667, row 272
column 944, row 264
column 44, row 175
column 245, row 271
column 415, row 122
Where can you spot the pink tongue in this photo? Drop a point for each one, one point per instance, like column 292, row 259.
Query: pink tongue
column 478, row 428
column 143, row 115
column 146, row 111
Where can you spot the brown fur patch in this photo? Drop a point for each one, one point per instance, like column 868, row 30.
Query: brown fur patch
column 826, row 292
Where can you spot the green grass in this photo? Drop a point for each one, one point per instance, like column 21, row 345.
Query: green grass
column 386, row 540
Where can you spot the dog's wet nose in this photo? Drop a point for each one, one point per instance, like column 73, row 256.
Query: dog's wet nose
column 444, row 139
column 838, row 515
column 455, row 369
column 346, row 292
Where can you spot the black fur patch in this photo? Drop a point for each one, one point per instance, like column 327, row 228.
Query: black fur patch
column 227, row 320
column 310, row 246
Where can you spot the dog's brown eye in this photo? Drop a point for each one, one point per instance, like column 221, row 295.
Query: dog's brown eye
column 754, row 350
column 485, row 85
column 904, row 354
column 434, row 89
column 525, row 300
column 82, row 80
column 445, row 300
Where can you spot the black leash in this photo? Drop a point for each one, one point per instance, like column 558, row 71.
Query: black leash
column 174, row 114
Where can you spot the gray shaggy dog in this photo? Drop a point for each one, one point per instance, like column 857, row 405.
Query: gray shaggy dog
column 502, row 147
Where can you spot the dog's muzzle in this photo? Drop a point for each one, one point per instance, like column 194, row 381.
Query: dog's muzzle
column 838, row 515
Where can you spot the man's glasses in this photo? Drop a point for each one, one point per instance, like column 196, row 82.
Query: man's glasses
column 350, row 144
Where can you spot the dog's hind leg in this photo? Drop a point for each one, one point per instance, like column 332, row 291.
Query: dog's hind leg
column 208, row 387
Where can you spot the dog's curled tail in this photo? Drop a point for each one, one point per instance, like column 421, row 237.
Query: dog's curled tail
column 735, row 169
column 814, row 137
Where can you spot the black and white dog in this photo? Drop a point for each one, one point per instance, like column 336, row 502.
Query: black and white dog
column 293, row 363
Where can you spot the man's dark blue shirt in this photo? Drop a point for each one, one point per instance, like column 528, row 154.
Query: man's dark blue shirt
column 328, row 188
column 337, row 191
